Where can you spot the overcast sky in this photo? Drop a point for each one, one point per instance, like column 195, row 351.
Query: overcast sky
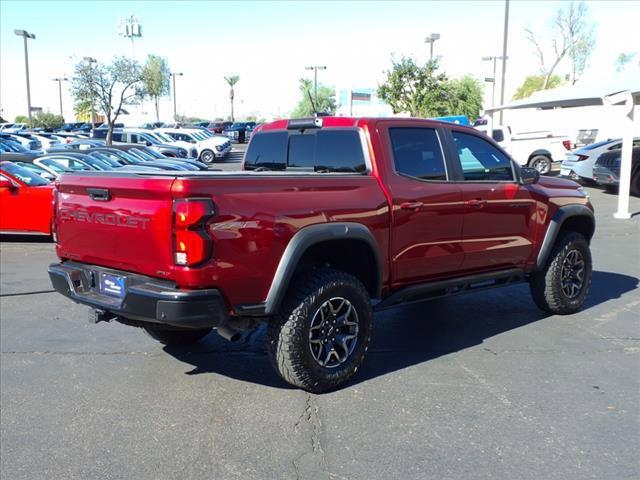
column 269, row 43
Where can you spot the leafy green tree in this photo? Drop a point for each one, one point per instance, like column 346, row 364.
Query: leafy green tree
column 21, row 119
column 155, row 77
column 305, row 107
column 47, row 120
column 232, row 80
column 83, row 110
column 465, row 97
column 110, row 87
column 416, row 89
column 535, row 83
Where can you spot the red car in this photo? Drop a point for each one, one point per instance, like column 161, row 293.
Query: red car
column 26, row 201
column 333, row 218
column 218, row 127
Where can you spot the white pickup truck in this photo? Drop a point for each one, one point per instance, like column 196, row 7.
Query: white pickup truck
column 533, row 149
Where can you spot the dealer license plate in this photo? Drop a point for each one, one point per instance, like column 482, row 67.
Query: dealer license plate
column 112, row 285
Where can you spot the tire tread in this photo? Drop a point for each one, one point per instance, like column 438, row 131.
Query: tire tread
column 545, row 288
column 286, row 333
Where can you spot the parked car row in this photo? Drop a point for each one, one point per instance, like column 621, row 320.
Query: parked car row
column 25, row 175
column 600, row 163
column 174, row 142
column 196, row 143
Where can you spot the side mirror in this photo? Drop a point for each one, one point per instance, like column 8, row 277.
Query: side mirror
column 147, row 143
column 529, row 175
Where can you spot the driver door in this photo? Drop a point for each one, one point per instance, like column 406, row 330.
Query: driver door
column 499, row 211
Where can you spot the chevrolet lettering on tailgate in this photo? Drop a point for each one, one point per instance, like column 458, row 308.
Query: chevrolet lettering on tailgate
column 115, row 219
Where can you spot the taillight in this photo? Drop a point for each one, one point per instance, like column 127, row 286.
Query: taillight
column 580, row 158
column 191, row 244
column 567, row 144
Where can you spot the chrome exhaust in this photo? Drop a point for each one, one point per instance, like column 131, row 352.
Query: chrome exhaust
column 229, row 333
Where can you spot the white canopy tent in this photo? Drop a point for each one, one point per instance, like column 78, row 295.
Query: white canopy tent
column 616, row 90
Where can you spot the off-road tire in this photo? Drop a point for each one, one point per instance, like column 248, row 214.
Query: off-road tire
column 288, row 333
column 546, row 285
column 176, row 337
column 542, row 163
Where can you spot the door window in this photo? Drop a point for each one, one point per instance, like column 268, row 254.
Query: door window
column 480, row 160
column 417, row 153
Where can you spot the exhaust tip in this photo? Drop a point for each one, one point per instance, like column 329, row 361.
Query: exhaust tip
column 229, row 333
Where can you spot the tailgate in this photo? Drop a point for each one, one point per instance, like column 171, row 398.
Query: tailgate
column 122, row 222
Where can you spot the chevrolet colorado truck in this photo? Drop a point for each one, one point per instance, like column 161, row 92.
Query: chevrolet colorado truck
column 330, row 220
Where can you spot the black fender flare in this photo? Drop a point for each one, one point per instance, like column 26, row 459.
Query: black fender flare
column 555, row 225
column 300, row 243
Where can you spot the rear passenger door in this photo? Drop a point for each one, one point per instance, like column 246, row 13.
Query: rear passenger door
column 499, row 211
column 426, row 203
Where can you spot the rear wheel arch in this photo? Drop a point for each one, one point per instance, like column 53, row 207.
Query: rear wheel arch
column 540, row 152
column 573, row 218
column 348, row 247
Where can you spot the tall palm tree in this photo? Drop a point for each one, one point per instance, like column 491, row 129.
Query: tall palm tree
column 232, row 80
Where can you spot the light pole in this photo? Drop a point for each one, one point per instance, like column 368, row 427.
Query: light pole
column 315, row 69
column 504, row 55
column 431, row 39
column 91, row 61
column 173, row 76
column 493, row 78
column 60, row 80
column 24, row 34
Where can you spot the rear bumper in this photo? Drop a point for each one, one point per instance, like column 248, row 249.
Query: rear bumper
column 145, row 298
column 604, row 176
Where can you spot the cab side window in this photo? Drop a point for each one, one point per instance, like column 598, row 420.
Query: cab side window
column 480, row 160
column 417, row 153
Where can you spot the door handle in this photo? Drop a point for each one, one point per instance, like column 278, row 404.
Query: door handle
column 411, row 205
column 99, row 194
column 476, row 202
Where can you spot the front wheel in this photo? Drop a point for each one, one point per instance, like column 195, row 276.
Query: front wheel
column 207, row 156
column 319, row 338
column 562, row 286
column 177, row 337
column 541, row 163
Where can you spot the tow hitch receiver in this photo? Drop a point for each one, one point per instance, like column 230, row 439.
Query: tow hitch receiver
column 96, row 316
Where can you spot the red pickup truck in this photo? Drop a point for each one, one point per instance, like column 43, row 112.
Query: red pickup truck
column 330, row 220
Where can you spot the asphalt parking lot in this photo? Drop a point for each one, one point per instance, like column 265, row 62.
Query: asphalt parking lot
column 233, row 160
column 475, row 387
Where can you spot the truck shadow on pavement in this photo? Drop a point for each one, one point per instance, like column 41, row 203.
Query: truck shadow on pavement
column 403, row 336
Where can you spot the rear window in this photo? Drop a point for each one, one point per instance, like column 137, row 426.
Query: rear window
column 317, row 151
column 268, row 151
column 596, row 145
column 417, row 153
